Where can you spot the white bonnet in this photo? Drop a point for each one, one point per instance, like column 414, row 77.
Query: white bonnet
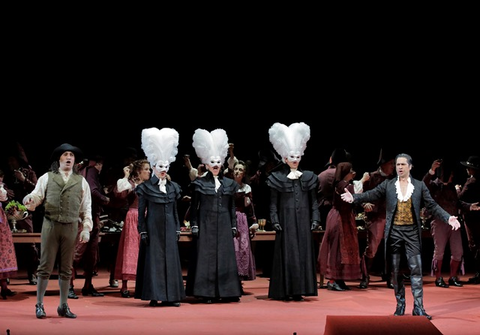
column 291, row 139
column 208, row 144
column 160, row 144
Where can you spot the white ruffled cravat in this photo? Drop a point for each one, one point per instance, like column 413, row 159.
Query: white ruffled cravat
column 294, row 174
column 217, row 183
column 161, row 185
column 406, row 196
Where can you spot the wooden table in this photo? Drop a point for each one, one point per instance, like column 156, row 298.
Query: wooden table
column 184, row 237
column 187, row 236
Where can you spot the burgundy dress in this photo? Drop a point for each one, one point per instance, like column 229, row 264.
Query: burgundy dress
column 339, row 255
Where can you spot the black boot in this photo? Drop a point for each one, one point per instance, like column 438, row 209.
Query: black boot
column 365, row 272
column 439, row 282
column 398, row 285
column 437, row 268
column 416, row 282
column 453, row 280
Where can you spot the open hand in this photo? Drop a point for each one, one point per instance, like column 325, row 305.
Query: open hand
column 347, row 196
column 452, row 221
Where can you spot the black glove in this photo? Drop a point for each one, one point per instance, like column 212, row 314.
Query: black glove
column 144, row 237
column 234, row 232
column 195, row 230
column 178, row 235
column 277, row 227
column 315, row 225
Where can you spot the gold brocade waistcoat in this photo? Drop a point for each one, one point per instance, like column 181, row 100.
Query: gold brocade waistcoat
column 404, row 215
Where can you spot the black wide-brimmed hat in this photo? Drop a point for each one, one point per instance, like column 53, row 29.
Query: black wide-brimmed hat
column 338, row 155
column 472, row 162
column 66, row 147
column 386, row 155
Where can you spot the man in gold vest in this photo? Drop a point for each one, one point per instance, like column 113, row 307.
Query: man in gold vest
column 404, row 196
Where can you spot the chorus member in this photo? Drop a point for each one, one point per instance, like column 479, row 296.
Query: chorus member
column 294, row 214
column 325, row 183
column 440, row 181
column 470, row 192
column 246, row 224
column 87, row 253
column 8, row 261
column 129, row 243
column 159, row 270
column 338, row 256
column 213, row 274
column 20, row 179
column 375, row 216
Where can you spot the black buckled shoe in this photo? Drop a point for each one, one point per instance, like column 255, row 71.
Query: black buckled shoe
column 334, row 287
column 64, row 310
column 420, row 312
column 125, row 294
column 71, row 294
column 342, row 284
column 453, row 281
column 91, row 291
column 439, row 282
column 400, row 310
column 40, row 311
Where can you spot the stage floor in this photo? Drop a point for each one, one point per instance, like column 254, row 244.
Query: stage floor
column 454, row 310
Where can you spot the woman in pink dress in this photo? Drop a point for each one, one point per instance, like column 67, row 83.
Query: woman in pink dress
column 128, row 246
column 8, row 259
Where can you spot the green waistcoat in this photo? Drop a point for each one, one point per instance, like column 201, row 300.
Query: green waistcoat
column 62, row 200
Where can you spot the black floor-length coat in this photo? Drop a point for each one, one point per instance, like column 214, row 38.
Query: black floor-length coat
column 293, row 204
column 213, row 273
column 159, row 270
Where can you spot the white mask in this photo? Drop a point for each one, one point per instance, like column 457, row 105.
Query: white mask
column 215, row 161
column 162, row 166
column 294, row 156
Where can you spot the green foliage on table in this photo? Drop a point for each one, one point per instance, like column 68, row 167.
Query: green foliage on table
column 14, row 206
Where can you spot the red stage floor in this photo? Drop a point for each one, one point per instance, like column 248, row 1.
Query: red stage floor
column 454, row 310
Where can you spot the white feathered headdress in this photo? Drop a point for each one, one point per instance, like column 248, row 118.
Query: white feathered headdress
column 208, row 144
column 160, row 145
column 287, row 140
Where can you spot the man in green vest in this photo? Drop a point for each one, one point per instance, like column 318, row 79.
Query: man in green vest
column 67, row 199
